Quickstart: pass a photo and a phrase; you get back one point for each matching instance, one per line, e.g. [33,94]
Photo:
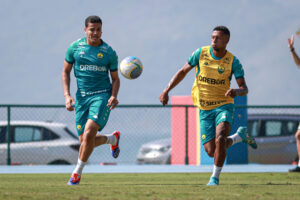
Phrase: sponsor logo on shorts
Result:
[203,137]
[79,127]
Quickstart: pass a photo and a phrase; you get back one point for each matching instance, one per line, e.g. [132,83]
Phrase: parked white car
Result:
[156,152]
[38,143]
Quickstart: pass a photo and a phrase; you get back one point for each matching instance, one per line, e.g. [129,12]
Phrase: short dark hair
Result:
[224,29]
[92,19]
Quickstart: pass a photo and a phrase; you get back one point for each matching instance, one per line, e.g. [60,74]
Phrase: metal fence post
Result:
[8,136]
[186,135]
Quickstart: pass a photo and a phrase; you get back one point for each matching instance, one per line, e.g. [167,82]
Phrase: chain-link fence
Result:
[31,142]
[46,134]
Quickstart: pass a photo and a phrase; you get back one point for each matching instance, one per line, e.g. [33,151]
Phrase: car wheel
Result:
[169,160]
[59,162]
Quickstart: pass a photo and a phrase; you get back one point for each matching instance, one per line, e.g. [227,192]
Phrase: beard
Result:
[216,49]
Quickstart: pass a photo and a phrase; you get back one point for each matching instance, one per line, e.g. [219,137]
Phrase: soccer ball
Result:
[131,67]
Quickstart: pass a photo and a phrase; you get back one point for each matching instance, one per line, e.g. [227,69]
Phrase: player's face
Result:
[93,33]
[219,40]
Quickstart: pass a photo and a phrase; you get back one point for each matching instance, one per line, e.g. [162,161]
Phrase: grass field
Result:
[151,186]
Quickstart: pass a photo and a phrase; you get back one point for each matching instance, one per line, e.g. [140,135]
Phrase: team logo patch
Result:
[203,137]
[99,56]
[79,127]
[221,69]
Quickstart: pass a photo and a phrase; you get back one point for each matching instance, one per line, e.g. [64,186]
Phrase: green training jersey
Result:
[92,66]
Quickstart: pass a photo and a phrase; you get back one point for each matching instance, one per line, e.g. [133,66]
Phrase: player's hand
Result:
[164,98]
[69,101]
[112,102]
[291,42]
[231,92]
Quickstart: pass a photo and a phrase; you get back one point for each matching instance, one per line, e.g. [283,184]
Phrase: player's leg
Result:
[222,131]
[99,112]
[242,136]
[298,143]
[87,140]
[207,130]
[112,139]
[208,135]
[103,139]
[81,108]
[223,121]
[210,148]
[297,135]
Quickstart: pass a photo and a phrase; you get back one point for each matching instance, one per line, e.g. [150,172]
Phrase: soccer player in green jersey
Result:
[297,135]
[214,67]
[93,61]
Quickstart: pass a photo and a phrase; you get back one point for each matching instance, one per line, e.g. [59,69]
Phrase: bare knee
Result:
[89,135]
[88,139]
[221,140]
[210,150]
[210,153]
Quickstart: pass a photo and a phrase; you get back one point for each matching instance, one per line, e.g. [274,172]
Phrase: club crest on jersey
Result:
[99,56]
[79,127]
[221,69]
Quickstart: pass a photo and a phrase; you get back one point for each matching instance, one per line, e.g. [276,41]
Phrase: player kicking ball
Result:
[93,61]
[214,67]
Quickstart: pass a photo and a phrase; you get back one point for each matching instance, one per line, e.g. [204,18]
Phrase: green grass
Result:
[151,186]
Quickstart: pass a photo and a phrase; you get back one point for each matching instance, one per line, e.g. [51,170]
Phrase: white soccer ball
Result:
[131,67]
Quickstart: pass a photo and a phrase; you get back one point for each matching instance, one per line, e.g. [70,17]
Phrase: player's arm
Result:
[177,78]
[241,91]
[294,54]
[67,68]
[113,101]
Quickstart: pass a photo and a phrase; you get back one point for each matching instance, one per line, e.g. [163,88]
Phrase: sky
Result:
[161,33]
